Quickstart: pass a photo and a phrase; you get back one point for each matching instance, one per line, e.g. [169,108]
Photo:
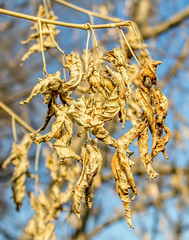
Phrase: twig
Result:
[87,47]
[36,168]
[37,157]
[43,20]
[64,24]
[96,45]
[88,12]
[49,4]
[121,41]
[55,42]
[46,8]
[92,23]
[42,50]
[58,47]
[91,19]
[14,129]
[134,26]
[18,119]
[20,94]
[123,35]
[14,115]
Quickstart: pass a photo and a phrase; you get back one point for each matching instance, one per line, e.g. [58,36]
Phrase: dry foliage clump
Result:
[45,31]
[47,207]
[19,158]
[109,87]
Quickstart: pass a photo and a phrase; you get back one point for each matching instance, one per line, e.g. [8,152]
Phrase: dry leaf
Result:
[122,184]
[74,64]
[45,31]
[92,163]
[19,158]
[47,86]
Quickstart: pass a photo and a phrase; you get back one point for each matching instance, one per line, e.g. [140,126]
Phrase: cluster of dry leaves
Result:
[110,87]
[47,31]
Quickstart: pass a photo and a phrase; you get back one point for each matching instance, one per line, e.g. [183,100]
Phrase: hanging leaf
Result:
[122,184]
[143,150]
[94,79]
[46,34]
[74,64]
[46,86]
[92,163]
[19,158]
[41,226]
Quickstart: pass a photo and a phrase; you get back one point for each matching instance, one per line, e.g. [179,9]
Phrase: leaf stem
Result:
[36,169]
[58,47]
[14,129]
[42,50]
[46,8]
[123,35]
[87,47]
[96,44]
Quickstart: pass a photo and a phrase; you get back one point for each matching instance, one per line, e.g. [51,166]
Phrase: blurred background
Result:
[161,208]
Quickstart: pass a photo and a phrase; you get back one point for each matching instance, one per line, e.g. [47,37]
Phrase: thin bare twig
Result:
[87,47]
[14,129]
[63,24]
[123,35]
[18,119]
[18,95]
[46,8]
[88,12]
[42,50]
[135,28]
[36,168]
[58,47]
[96,45]
[14,115]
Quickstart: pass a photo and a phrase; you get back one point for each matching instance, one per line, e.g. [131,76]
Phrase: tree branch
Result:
[11,113]
[148,31]
[64,24]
